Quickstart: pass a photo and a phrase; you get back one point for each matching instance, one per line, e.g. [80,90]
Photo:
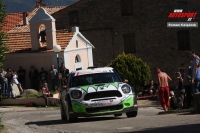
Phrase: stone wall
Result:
[102,24]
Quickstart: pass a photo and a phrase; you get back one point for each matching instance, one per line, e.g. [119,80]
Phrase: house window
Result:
[126,7]
[129,43]
[76,43]
[74,18]
[183,40]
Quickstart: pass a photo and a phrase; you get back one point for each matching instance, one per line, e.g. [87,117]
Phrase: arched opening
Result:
[76,43]
[78,63]
[42,35]
[77,59]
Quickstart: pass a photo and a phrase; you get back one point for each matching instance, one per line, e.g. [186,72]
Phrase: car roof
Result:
[93,70]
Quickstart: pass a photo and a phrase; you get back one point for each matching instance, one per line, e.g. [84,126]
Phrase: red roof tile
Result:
[25,28]
[21,42]
[11,20]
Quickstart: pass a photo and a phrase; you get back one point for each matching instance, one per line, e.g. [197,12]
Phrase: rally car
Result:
[96,91]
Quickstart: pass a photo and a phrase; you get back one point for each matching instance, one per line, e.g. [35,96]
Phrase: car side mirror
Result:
[125,80]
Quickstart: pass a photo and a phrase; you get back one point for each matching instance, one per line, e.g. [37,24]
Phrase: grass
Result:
[1,126]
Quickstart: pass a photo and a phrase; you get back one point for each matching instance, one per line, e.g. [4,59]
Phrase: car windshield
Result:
[95,78]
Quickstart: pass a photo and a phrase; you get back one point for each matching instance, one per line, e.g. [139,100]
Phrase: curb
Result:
[177,111]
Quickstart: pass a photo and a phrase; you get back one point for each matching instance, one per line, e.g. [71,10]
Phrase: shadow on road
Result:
[88,119]
[193,128]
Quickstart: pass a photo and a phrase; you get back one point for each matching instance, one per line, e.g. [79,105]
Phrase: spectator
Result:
[179,87]
[22,76]
[54,77]
[173,101]
[181,66]
[188,86]
[43,77]
[144,89]
[46,93]
[65,73]
[4,82]
[9,76]
[195,72]
[152,88]
[15,81]
[163,87]
[33,75]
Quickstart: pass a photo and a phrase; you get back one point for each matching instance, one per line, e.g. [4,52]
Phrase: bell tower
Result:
[42,18]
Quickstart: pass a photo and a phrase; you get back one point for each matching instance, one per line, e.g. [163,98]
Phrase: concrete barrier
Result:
[24,101]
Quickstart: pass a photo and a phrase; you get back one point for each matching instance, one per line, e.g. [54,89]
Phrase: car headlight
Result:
[126,89]
[76,94]
[133,91]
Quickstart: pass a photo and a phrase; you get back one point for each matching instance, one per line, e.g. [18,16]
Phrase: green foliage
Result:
[3,48]
[1,126]
[131,68]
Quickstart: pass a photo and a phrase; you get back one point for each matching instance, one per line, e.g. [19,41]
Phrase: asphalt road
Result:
[47,120]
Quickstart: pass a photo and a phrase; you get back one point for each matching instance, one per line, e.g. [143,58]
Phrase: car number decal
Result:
[102,103]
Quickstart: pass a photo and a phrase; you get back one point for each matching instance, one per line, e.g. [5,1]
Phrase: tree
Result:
[3,48]
[131,68]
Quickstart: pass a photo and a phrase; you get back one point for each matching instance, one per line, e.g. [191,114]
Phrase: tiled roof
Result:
[21,42]
[11,20]
[25,28]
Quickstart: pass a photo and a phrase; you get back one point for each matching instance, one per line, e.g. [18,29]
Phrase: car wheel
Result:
[65,108]
[68,116]
[131,114]
[62,112]
[62,99]
[116,115]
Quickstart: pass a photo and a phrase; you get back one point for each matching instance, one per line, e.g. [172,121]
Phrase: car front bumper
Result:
[83,114]
[127,105]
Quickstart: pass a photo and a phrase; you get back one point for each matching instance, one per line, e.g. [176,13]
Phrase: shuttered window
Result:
[183,40]
[129,43]
[126,7]
[74,18]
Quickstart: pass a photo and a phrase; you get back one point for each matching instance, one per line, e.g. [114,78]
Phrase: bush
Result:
[131,68]
[1,126]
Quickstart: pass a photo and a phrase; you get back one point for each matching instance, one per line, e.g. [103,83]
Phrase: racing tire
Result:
[62,99]
[131,114]
[65,108]
[117,115]
[68,116]
[63,115]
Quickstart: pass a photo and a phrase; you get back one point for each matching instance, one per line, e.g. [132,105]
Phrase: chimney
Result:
[25,20]
[75,29]
[39,4]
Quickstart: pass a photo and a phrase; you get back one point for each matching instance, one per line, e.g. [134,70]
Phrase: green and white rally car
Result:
[97,91]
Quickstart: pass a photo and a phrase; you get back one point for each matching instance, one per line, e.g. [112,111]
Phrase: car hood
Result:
[99,87]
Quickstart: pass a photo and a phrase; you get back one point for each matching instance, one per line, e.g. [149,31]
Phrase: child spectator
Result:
[46,93]
[152,88]
[15,81]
